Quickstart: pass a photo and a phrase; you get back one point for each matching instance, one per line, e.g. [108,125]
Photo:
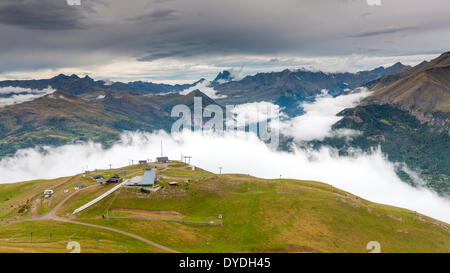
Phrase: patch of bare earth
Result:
[288,249]
[163,214]
[34,207]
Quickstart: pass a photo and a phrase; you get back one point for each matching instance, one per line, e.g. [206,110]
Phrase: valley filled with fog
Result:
[367,174]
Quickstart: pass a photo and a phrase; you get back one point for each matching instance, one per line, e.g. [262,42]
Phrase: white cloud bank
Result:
[257,112]
[17,95]
[204,87]
[370,176]
[320,115]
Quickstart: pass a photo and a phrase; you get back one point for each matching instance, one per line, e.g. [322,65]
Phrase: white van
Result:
[48,193]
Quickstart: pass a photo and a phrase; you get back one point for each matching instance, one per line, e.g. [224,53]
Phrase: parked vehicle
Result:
[114,179]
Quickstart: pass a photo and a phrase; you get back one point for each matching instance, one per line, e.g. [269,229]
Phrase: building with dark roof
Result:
[162,159]
[98,177]
[114,179]
[148,180]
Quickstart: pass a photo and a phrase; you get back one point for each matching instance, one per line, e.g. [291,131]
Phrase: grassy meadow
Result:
[258,215]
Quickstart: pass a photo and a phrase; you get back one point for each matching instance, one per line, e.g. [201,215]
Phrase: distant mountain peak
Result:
[60,77]
[223,77]
[423,88]
[195,92]
[378,69]
[65,77]
[398,65]
[199,81]
[88,78]
[422,63]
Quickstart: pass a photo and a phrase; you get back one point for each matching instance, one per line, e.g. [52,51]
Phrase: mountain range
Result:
[407,114]
[291,88]
[63,117]
[423,91]
[76,85]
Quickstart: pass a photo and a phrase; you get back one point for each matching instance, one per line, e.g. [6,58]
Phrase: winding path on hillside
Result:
[137,237]
[51,215]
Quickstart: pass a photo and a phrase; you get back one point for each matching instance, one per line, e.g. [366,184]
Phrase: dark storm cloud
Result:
[365,14]
[205,32]
[383,31]
[162,13]
[203,42]
[40,14]
[156,15]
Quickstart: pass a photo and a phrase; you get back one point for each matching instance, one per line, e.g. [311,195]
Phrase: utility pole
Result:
[282,183]
[187,160]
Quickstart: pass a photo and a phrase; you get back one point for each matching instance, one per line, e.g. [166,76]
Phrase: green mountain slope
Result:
[62,118]
[408,116]
[403,138]
[424,91]
[258,215]
[54,120]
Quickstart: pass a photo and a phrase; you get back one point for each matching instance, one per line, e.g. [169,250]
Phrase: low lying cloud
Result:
[17,95]
[369,175]
[205,87]
[315,124]
[320,115]
[366,174]
[257,112]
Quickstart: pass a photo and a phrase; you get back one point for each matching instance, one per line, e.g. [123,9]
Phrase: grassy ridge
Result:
[396,131]
[258,216]
[16,196]
[16,238]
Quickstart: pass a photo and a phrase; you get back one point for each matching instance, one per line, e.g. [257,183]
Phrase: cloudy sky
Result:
[183,40]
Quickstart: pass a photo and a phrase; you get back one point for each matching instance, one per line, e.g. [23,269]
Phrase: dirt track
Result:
[51,215]
[142,239]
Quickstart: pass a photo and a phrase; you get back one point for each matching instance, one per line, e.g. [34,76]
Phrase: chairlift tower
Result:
[187,160]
